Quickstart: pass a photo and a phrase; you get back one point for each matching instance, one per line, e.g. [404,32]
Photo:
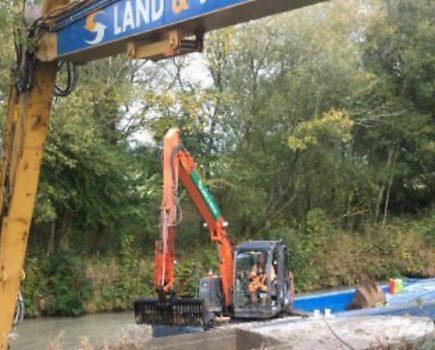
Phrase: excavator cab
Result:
[262,284]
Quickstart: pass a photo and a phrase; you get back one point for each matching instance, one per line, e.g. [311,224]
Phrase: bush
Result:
[322,256]
[66,285]
[55,285]
[33,288]
[117,281]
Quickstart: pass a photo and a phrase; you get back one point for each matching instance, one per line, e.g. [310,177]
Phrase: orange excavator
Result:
[254,281]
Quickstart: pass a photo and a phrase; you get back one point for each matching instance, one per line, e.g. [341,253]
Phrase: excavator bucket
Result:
[174,312]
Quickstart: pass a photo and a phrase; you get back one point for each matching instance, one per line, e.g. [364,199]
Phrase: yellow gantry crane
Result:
[78,32]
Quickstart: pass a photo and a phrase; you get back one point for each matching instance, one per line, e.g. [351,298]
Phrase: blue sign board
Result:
[127,18]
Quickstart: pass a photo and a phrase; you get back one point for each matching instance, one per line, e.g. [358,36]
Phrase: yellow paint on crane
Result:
[24,136]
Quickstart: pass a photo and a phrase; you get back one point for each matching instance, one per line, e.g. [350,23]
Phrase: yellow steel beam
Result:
[171,44]
[23,141]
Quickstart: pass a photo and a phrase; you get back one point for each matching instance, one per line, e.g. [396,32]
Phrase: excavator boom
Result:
[178,164]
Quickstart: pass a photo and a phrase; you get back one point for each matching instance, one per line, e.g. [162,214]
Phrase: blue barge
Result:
[417,299]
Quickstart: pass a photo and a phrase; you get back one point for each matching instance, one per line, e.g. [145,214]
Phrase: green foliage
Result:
[117,282]
[190,268]
[428,228]
[186,275]
[56,285]
[67,287]
[126,286]
[334,125]
[317,223]
[343,258]
[320,255]
[34,287]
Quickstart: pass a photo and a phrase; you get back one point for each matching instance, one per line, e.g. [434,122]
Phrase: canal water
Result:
[39,333]
[95,329]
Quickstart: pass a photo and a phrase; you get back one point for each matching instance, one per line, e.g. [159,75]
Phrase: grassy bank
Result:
[70,284]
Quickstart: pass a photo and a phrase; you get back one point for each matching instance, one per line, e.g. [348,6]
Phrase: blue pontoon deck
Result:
[417,299]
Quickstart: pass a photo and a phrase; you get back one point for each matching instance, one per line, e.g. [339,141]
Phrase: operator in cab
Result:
[258,279]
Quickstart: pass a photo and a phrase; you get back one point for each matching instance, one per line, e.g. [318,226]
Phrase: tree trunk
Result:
[51,246]
[64,232]
[384,184]
[392,159]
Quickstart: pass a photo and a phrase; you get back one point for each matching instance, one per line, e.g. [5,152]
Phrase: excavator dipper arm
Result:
[179,164]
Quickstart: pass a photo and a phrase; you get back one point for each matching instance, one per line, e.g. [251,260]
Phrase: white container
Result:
[316,313]
[327,313]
